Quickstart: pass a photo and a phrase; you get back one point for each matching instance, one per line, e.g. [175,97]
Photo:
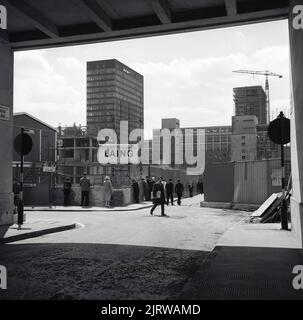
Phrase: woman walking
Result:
[108,191]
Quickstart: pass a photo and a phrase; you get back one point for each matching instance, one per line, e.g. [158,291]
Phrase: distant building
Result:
[38,181]
[78,155]
[170,123]
[114,93]
[251,101]
[217,142]
[244,138]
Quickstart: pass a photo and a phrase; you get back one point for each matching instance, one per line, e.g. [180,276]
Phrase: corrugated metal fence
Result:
[252,183]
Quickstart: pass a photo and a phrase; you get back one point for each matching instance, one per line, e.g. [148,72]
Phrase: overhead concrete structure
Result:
[49,23]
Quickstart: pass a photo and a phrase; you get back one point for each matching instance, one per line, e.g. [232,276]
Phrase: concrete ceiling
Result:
[50,23]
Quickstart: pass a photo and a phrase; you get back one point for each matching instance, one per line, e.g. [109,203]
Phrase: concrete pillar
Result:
[6,134]
[296,52]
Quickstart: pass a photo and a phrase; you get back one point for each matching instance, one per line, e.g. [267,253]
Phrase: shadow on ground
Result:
[3,230]
[96,271]
[246,273]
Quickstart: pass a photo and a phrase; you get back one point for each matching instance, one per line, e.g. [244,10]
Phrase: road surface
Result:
[115,255]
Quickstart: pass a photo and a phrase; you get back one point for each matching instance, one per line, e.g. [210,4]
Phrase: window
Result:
[243,157]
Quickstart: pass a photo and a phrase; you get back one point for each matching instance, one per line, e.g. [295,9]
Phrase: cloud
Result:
[45,92]
[69,63]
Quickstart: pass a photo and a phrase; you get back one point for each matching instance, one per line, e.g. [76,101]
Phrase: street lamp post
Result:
[21,205]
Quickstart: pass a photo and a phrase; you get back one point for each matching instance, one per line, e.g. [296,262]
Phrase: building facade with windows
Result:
[251,101]
[38,181]
[217,142]
[244,138]
[114,93]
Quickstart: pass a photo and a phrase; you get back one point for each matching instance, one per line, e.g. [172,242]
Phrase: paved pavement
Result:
[122,255]
[250,261]
[130,207]
[34,228]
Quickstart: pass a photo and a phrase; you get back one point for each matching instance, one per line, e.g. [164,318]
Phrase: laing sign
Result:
[3,17]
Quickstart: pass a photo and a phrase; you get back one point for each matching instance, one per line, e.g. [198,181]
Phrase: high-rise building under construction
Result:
[251,101]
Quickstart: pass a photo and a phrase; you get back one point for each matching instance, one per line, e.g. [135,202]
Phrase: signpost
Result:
[279,133]
[23,144]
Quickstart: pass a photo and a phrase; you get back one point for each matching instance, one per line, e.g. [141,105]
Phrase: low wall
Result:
[120,197]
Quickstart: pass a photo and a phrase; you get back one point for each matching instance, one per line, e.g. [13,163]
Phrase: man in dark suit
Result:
[170,192]
[179,188]
[158,197]
[151,186]
[135,187]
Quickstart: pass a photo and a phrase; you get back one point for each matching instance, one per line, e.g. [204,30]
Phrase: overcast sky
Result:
[186,76]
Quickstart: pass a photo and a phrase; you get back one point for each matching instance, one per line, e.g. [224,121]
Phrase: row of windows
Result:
[218,139]
[101,108]
[103,77]
[127,80]
[113,82]
[123,96]
[105,101]
[118,87]
[117,109]
[101,69]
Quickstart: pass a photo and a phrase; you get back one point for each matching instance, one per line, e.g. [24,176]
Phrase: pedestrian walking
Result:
[144,189]
[67,187]
[164,186]
[148,191]
[200,186]
[16,192]
[190,189]
[158,197]
[108,191]
[169,192]
[179,188]
[85,188]
[135,187]
[151,186]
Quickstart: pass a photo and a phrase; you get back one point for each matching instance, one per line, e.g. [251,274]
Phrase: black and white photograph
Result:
[151,154]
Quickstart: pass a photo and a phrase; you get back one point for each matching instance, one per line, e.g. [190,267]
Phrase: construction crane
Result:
[266,74]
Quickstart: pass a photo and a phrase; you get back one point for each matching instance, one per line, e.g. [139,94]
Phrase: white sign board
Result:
[59,143]
[118,154]
[4,113]
[51,169]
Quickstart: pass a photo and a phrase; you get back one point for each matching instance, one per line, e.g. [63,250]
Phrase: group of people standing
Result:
[85,185]
[157,190]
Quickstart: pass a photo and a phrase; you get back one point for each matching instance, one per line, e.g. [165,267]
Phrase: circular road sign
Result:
[275,130]
[27,144]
